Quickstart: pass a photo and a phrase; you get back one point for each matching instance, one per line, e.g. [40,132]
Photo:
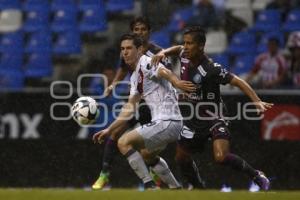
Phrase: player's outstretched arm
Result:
[172,78]
[121,74]
[125,114]
[247,89]
[175,50]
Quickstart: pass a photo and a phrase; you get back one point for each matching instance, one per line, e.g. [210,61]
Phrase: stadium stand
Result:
[10,4]
[292,23]
[13,39]
[243,64]
[267,20]
[58,28]
[39,41]
[36,14]
[67,42]
[93,18]
[39,65]
[162,38]
[216,42]
[242,43]
[10,20]
[119,5]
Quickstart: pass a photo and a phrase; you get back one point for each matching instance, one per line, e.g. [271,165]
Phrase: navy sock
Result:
[190,173]
[108,154]
[237,163]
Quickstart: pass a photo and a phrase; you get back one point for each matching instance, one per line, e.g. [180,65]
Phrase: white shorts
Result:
[158,134]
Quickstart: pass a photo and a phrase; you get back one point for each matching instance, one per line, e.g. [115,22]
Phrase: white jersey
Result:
[159,94]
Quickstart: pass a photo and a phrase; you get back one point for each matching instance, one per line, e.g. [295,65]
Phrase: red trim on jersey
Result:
[260,59]
[280,65]
[140,81]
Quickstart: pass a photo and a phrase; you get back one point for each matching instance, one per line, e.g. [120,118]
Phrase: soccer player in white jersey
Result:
[140,26]
[154,85]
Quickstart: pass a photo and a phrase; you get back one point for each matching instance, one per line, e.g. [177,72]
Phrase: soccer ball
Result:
[85,111]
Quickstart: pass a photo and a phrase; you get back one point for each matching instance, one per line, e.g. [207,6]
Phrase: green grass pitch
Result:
[127,194]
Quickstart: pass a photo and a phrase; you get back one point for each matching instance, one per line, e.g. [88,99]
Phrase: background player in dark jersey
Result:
[205,123]
[141,27]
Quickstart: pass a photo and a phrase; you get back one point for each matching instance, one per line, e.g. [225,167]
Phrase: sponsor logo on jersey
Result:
[197,78]
[223,72]
[222,129]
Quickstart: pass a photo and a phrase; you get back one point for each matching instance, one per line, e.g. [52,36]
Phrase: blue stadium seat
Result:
[11,61]
[34,2]
[179,18]
[58,4]
[222,59]
[267,20]
[12,80]
[262,45]
[93,19]
[65,18]
[119,5]
[36,15]
[9,4]
[39,42]
[39,65]
[12,42]
[242,43]
[292,22]
[67,43]
[91,3]
[243,64]
[162,38]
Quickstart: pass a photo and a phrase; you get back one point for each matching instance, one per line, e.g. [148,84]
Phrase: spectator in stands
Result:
[206,15]
[293,45]
[270,65]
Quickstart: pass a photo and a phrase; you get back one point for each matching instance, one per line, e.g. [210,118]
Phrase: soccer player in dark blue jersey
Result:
[205,122]
[141,27]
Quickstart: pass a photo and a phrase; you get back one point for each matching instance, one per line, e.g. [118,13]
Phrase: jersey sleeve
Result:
[133,85]
[153,70]
[221,75]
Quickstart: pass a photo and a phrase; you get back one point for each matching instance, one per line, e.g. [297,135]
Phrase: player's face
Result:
[129,52]
[192,49]
[141,30]
[273,47]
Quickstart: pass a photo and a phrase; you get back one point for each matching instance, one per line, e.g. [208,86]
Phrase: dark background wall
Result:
[57,158]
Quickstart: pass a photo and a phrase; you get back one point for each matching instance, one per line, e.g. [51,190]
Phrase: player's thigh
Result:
[132,138]
[221,139]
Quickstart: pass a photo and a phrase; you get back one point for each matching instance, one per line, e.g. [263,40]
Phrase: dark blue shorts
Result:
[193,141]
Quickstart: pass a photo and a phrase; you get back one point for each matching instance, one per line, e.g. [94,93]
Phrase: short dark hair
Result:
[142,20]
[137,40]
[197,32]
[275,40]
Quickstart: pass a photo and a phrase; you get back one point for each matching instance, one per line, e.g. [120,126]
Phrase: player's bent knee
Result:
[123,145]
